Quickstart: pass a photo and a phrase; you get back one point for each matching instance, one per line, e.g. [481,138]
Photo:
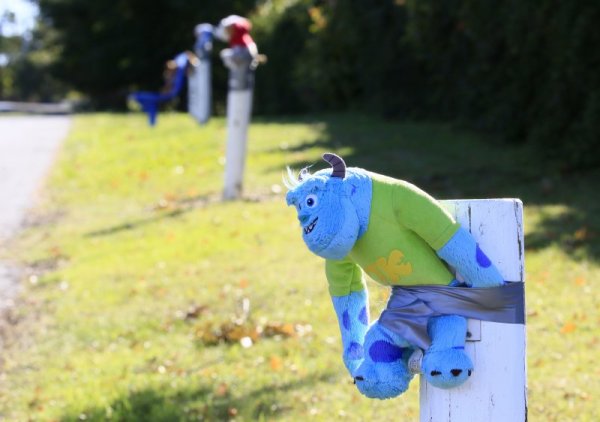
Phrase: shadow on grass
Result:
[434,156]
[455,164]
[134,224]
[206,403]
[178,208]
[576,230]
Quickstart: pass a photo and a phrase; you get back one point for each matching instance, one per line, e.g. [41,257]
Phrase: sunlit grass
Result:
[131,233]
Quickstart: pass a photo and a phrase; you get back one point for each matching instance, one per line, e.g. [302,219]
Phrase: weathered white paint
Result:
[497,390]
[239,107]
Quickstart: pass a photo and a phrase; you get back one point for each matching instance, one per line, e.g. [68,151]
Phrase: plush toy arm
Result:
[351,303]
[353,318]
[464,254]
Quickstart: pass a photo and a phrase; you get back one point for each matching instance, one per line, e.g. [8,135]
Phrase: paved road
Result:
[27,148]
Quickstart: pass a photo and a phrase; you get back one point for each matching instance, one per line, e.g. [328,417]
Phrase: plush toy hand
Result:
[464,254]
[353,317]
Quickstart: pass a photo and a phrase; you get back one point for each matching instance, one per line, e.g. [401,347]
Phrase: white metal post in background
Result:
[497,390]
[239,107]
[241,58]
[199,80]
[241,64]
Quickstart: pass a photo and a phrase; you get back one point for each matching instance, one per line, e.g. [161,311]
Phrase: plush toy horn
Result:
[339,167]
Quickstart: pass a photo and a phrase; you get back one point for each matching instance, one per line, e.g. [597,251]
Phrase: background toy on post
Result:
[199,80]
[241,58]
[174,75]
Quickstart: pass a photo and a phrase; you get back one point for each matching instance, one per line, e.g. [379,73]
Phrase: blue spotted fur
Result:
[353,317]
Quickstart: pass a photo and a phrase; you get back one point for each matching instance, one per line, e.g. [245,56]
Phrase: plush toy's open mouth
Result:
[311,226]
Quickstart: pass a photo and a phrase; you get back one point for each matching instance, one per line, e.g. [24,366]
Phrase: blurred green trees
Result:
[25,69]
[524,71]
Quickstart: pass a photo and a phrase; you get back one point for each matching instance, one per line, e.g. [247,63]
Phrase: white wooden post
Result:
[497,390]
[239,108]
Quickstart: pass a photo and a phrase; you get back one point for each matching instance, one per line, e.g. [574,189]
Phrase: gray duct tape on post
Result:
[410,307]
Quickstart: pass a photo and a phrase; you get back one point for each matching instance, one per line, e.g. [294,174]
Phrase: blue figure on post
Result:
[174,76]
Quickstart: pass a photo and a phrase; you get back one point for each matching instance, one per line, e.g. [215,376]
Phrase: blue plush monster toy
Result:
[362,222]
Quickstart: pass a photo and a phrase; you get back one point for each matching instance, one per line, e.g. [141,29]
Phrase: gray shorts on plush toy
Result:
[362,222]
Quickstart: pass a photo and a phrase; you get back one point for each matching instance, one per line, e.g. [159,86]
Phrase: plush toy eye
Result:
[311,201]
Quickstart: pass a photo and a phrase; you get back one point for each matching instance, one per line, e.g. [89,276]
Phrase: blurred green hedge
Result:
[525,71]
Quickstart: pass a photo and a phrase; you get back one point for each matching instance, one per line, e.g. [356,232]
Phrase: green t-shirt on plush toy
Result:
[398,247]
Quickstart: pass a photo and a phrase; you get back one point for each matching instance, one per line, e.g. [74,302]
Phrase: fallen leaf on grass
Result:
[222,390]
[577,394]
[192,312]
[275,363]
[233,332]
[195,311]
[569,327]
[228,332]
[272,329]
[207,335]
[582,234]
[248,333]
[240,328]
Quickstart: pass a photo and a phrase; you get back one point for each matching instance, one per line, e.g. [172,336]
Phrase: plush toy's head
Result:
[328,217]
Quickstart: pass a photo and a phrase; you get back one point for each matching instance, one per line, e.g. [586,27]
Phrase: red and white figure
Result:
[242,51]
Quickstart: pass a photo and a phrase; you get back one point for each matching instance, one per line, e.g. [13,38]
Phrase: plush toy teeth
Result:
[311,226]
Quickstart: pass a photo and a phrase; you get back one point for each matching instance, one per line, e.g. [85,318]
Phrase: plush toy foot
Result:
[384,373]
[447,368]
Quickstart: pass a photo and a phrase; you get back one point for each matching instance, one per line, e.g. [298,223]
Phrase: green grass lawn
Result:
[137,274]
